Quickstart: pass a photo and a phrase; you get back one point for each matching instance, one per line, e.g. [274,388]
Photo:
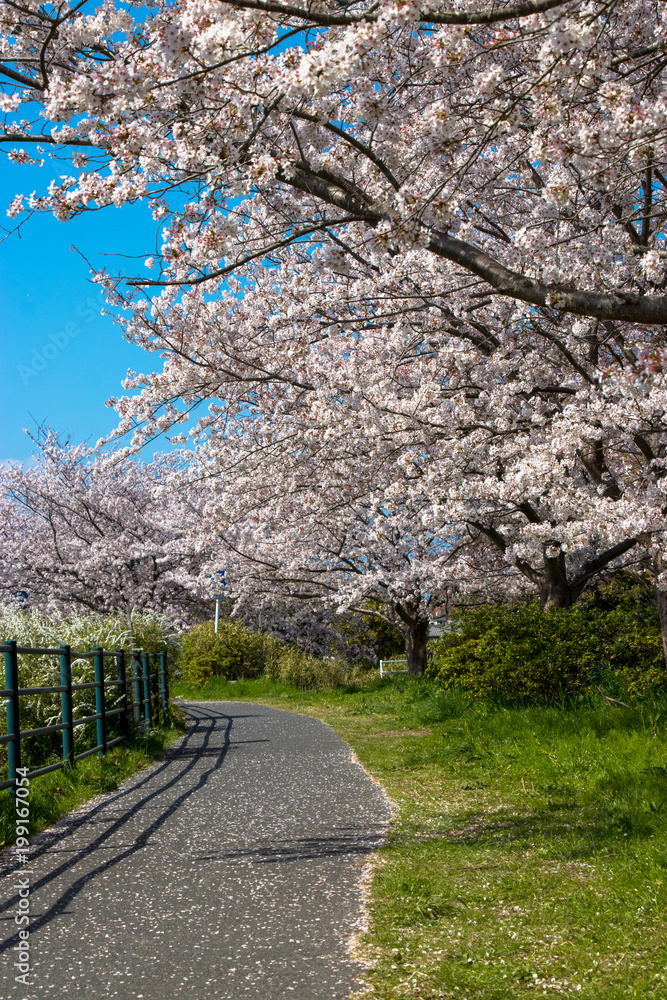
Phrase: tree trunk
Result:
[555,592]
[659,567]
[662,610]
[415,647]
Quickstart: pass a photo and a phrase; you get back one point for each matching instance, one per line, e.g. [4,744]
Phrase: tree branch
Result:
[594,566]
[47,140]
[618,305]
[25,81]
[263,252]
[360,146]
[526,9]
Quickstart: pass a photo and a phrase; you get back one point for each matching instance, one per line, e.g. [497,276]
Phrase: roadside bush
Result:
[233,652]
[237,652]
[292,666]
[527,653]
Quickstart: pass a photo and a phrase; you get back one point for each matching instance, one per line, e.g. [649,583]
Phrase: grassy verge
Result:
[529,853]
[54,795]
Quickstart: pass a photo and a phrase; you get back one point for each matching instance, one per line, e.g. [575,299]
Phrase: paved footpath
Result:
[228,871]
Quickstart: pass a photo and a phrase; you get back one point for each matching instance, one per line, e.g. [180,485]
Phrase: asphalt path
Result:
[230,870]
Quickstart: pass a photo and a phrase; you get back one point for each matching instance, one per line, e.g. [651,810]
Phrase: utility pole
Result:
[218,597]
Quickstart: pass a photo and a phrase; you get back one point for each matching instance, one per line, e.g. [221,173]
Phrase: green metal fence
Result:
[149,699]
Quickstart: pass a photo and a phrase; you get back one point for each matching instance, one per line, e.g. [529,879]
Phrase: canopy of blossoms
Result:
[417,247]
[522,146]
[83,533]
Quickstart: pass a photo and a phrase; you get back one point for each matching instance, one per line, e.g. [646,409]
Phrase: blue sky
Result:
[61,359]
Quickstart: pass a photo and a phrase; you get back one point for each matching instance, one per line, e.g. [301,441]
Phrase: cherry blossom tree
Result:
[312,530]
[426,228]
[81,532]
[527,437]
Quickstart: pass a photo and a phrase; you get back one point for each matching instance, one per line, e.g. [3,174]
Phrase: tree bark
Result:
[415,647]
[555,591]
[662,610]
[659,567]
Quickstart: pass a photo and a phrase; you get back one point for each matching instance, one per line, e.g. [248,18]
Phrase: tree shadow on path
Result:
[204,727]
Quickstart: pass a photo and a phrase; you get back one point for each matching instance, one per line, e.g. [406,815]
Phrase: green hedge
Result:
[237,652]
[527,653]
[293,666]
[233,652]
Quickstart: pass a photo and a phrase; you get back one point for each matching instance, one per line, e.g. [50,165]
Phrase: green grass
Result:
[528,856]
[54,795]
[253,689]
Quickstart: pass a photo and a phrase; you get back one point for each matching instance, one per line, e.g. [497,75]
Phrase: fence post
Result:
[100,707]
[155,686]
[151,688]
[136,668]
[164,682]
[67,708]
[12,706]
[147,689]
[122,692]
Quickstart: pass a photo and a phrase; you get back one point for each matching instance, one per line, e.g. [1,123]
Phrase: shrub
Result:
[292,666]
[233,652]
[527,653]
[236,652]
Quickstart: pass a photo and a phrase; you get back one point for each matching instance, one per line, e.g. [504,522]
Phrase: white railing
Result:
[384,671]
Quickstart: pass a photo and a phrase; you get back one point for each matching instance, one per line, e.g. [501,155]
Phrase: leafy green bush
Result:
[292,666]
[527,653]
[233,652]
[236,652]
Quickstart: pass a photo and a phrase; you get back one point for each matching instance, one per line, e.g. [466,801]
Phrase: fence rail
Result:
[149,699]
[384,671]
